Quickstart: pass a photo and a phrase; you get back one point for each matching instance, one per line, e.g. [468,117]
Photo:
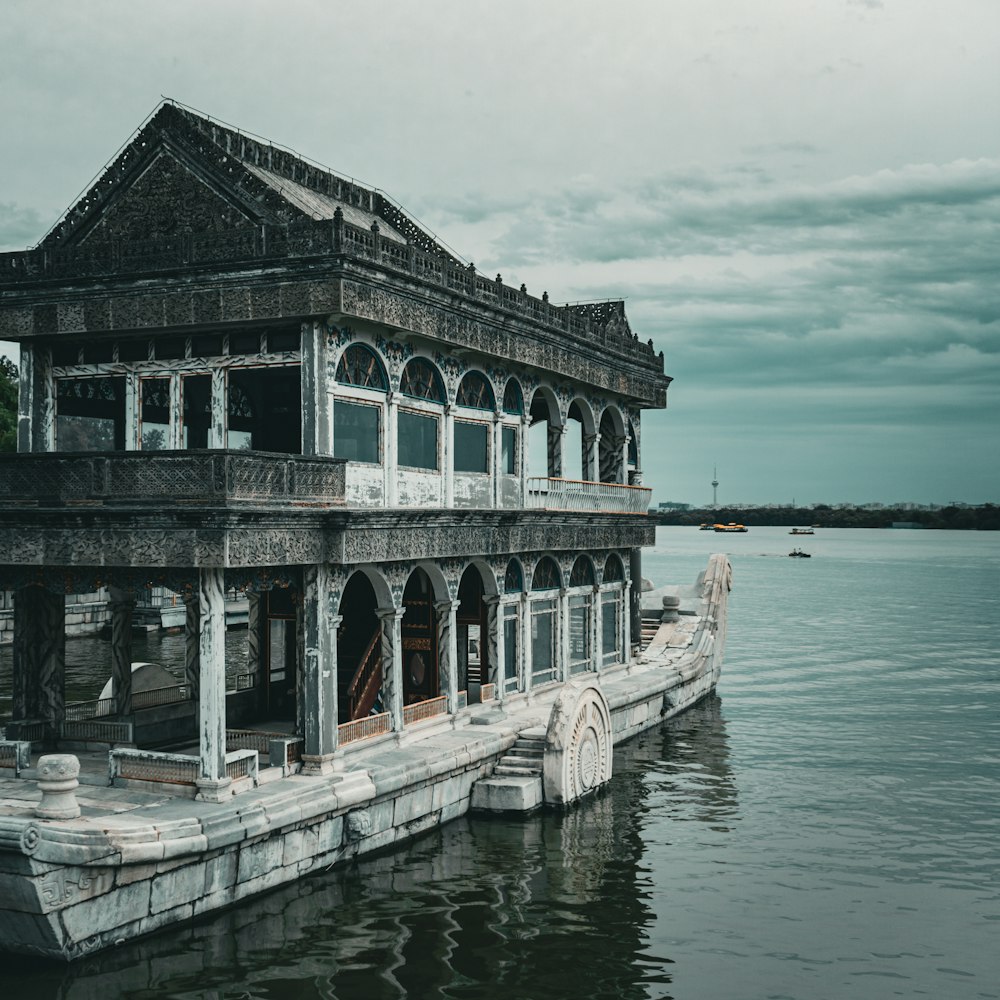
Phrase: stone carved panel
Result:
[166,200]
[578,744]
[66,886]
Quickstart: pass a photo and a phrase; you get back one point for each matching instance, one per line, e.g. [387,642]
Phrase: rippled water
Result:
[827,827]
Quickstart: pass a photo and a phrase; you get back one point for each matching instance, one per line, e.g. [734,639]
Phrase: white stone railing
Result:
[96,731]
[545,493]
[153,697]
[488,692]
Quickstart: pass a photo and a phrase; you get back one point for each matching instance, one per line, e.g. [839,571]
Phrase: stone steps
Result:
[516,782]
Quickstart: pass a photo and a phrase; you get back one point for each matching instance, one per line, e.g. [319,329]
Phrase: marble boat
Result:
[242,376]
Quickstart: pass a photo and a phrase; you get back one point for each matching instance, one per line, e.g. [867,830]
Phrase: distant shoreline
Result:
[984,518]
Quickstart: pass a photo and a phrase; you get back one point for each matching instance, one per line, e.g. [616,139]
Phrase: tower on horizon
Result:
[715,486]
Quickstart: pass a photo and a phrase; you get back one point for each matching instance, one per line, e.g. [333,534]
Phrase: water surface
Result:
[827,826]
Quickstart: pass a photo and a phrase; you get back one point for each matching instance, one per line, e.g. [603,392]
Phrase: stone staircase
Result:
[516,782]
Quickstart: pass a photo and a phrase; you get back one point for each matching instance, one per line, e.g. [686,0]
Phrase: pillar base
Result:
[318,765]
[214,789]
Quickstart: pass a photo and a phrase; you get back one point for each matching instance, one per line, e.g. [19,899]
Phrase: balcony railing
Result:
[593,498]
[170,475]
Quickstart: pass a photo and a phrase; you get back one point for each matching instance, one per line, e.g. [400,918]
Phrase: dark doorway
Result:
[280,653]
[420,659]
[473,665]
[359,652]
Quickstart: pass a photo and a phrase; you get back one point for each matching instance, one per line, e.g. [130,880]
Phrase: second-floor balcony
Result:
[210,476]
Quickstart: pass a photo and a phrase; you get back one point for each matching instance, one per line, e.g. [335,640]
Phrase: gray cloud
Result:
[19,227]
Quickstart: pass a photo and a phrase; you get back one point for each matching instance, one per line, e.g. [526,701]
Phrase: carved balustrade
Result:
[170,475]
[587,497]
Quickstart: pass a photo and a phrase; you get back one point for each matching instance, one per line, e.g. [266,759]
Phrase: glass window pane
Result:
[196,391]
[579,634]
[610,627]
[509,451]
[90,414]
[154,396]
[510,649]
[417,440]
[355,432]
[471,447]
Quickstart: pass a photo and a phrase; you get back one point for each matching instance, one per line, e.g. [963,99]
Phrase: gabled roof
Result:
[183,173]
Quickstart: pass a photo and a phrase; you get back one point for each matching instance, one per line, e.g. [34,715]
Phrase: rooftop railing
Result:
[587,497]
[170,475]
[601,325]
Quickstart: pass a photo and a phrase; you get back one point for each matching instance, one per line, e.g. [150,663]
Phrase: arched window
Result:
[513,579]
[582,574]
[546,575]
[476,392]
[513,398]
[360,366]
[421,380]
[613,571]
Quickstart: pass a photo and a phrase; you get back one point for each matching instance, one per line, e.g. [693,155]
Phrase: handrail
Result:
[424,709]
[363,689]
[364,728]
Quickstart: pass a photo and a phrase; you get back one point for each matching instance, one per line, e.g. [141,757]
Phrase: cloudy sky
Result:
[799,199]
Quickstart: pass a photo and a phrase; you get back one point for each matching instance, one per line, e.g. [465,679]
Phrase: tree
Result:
[8,405]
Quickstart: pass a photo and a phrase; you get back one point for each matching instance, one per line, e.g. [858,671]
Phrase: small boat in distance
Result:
[799,554]
[802,531]
[706,527]
[732,526]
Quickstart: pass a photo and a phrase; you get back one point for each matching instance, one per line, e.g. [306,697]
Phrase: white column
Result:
[448,456]
[627,625]
[175,420]
[390,622]
[213,781]
[591,457]
[319,671]
[497,643]
[131,411]
[390,458]
[36,400]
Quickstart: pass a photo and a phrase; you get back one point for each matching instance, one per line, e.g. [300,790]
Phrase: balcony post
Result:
[562,624]
[495,645]
[448,457]
[217,426]
[192,647]
[35,409]
[522,458]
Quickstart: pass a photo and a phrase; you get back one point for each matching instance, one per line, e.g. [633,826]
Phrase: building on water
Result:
[243,374]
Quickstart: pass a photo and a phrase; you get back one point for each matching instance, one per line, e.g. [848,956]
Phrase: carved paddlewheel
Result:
[578,744]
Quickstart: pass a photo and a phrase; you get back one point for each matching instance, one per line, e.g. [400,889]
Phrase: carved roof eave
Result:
[333,285]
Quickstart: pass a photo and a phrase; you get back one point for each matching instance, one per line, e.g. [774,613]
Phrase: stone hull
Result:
[72,888]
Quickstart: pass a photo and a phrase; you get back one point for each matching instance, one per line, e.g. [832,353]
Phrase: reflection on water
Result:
[554,905]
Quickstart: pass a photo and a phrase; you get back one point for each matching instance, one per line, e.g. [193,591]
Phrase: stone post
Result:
[175,418]
[121,606]
[496,466]
[319,672]
[445,613]
[562,636]
[131,411]
[39,656]
[526,650]
[390,622]
[596,654]
[213,781]
[57,781]
[556,437]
